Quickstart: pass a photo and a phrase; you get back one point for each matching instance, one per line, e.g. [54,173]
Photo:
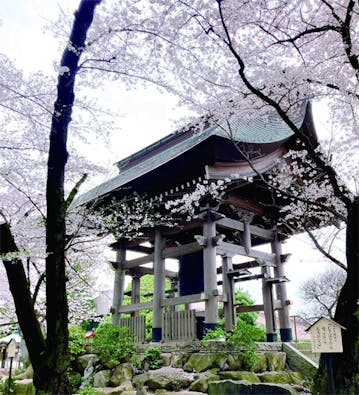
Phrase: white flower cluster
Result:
[309,192]
[189,202]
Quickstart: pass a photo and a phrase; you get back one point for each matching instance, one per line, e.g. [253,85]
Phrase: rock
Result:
[169,379]
[122,373]
[201,381]
[116,391]
[140,380]
[156,382]
[275,361]
[23,387]
[296,377]
[261,363]
[270,389]
[83,361]
[184,392]
[28,374]
[234,362]
[179,359]
[226,387]
[119,390]
[241,375]
[201,362]
[275,377]
[101,378]
[281,377]
[166,359]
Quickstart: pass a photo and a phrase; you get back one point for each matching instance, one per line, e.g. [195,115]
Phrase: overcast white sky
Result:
[147,115]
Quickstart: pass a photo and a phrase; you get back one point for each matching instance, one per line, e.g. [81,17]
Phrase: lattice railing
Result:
[137,325]
[179,325]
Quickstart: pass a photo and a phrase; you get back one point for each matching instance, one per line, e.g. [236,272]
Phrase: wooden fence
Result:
[179,325]
[137,325]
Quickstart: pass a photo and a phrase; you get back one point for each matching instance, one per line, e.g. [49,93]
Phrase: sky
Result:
[145,115]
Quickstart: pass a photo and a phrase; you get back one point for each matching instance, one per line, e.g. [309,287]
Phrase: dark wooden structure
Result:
[246,218]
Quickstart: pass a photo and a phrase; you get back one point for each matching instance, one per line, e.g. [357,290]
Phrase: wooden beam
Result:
[141,249]
[135,307]
[238,225]
[141,271]
[238,272]
[247,278]
[184,299]
[247,309]
[244,265]
[277,280]
[232,249]
[256,307]
[137,262]
[175,252]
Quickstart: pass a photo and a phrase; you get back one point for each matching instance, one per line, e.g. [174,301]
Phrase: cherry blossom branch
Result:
[283,114]
[323,251]
[27,196]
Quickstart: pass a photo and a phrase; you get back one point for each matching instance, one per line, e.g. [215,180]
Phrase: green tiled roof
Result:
[253,131]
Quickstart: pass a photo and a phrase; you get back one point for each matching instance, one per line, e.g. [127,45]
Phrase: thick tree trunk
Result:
[346,364]
[57,307]
[25,312]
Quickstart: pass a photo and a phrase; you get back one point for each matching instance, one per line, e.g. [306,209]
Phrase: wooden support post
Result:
[210,272]
[228,294]
[174,287]
[247,237]
[119,285]
[135,293]
[158,288]
[268,305]
[281,292]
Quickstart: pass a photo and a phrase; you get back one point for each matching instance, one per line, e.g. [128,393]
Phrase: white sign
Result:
[11,349]
[326,336]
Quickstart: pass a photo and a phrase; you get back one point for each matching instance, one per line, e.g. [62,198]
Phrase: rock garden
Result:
[114,364]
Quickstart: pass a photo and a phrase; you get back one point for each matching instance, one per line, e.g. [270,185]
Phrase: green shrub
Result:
[153,357]
[75,379]
[214,334]
[243,298]
[76,342]
[89,391]
[246,336]
[113,344]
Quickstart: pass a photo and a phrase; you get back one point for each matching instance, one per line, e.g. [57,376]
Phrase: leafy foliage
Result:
[113,344]
[76,342]
[153,357]
[243,298]
[89,391]
[214,334]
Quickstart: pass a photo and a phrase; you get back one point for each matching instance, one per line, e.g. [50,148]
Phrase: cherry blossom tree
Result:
[228,59]
[225,60]
[320,294]
[49,356]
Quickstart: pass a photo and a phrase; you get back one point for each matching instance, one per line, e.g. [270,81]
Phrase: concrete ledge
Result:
[299,362]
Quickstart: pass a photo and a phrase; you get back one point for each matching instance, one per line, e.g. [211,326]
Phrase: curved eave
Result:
[252,131]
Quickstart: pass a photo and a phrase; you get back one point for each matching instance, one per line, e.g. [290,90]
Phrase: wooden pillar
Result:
[158,288]
[228,294]
[268,305]
[118,286]
[210,272]
[174,287]
[281,292]
[135,293]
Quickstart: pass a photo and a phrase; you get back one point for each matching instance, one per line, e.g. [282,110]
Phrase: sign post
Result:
[326,338]
[11,352]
